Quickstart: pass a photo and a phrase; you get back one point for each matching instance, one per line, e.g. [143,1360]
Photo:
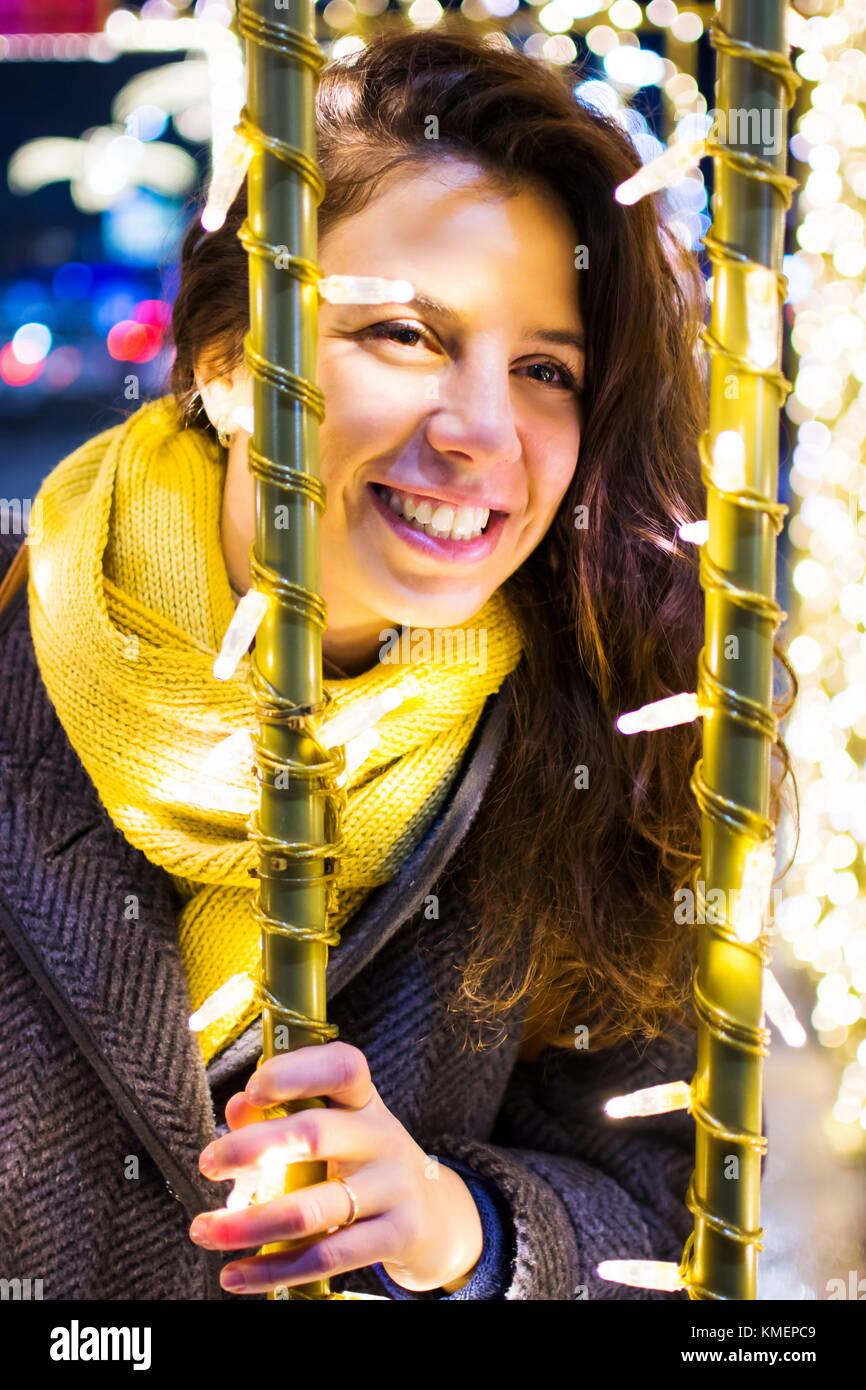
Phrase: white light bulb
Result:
[663,172]
[755,884]
[226,181]
[244,1191]
[244,416]
[698,532]
[240,633]
[237,992]
[780,1011]
[365,289]
[729,461]
[763,316]
[650,1100]
[661,714]
[643,1274]
[348,724]
[234,751]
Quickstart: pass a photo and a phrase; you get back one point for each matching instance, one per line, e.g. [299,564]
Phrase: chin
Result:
[433,611]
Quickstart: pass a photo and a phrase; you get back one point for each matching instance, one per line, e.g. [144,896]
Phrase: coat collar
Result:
[95,922]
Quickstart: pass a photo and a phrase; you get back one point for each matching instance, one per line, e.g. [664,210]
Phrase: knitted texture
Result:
[129,601]
[107,1103]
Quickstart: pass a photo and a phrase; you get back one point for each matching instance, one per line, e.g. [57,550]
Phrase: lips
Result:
[451,499]
[453,551]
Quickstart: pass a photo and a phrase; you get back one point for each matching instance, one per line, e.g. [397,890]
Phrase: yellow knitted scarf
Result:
[129,602]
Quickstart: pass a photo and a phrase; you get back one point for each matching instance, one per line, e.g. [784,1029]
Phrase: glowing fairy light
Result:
[234,751]
[243,1190]
[753,898]
[665,171]
[650,1100]
[661,714]
[244,416]
[235,995]
[356,754]
[780,1011]
[729,461]
[348,724]
[40,570]
[240,633]
[364,289]
[698,532]
[355,729]
[763,316]
[643,1274]
[226,182]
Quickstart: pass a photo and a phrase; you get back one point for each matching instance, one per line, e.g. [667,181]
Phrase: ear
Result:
[223,397]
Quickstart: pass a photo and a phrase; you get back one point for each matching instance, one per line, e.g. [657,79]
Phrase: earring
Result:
[223,434]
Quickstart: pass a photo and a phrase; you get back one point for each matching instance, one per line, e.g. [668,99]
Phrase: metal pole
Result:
[298,813]
[756,85]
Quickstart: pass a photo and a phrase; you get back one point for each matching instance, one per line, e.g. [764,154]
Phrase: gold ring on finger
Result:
[352,1198]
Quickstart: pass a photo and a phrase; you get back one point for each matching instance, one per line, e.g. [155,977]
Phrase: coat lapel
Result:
[95,923]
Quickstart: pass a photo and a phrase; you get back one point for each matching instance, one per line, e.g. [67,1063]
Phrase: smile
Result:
[436,527]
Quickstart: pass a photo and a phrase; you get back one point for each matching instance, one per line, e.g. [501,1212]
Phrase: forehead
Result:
[457,234]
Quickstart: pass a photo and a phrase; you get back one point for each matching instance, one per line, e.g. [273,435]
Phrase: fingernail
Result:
[207,1162]
[232,1279]
[199,1231]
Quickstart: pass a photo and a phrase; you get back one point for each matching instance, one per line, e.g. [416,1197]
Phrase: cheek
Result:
[368,413]
[555,463]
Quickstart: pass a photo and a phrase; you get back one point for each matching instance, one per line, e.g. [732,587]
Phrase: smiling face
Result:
[467,401]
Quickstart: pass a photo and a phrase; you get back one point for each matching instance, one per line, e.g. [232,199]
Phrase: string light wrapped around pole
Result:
[733,985]
[731,781]
[296,826]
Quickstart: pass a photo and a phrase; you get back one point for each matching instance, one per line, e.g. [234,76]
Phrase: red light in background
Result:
[53,16]
[16,373]
[155,312]
[129,341]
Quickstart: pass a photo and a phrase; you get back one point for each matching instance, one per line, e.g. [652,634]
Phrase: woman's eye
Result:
[396,332]
[567,380]
[390,331]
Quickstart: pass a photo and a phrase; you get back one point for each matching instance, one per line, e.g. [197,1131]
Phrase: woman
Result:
[509,955]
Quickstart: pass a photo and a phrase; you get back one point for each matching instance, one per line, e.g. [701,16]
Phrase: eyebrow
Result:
[562,336]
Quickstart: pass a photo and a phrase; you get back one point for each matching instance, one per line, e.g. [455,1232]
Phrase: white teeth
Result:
[443,520]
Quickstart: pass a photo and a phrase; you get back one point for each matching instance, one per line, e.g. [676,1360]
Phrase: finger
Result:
[365,1243]
[239,1112]
[336,1070]
[305,1137]
[309,1212]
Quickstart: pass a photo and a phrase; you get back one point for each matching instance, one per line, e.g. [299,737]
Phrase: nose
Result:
[472,422]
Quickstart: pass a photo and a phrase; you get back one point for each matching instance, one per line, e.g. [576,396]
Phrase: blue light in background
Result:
[146,122]
[74,280]
[26,300]
[115,301]
[140,228]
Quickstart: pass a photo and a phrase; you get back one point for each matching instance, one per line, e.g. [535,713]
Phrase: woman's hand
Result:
[415,1216]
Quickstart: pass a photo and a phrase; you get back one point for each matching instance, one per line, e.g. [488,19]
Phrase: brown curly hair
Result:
[571,890]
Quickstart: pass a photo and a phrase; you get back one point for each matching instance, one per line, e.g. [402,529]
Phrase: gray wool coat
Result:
[105,1103]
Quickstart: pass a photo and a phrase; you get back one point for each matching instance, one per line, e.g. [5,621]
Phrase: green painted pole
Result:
[756,86]
[298,812]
